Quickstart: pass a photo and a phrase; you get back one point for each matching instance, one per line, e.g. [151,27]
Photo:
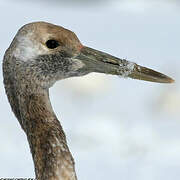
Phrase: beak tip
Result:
[171,80]
[143,73]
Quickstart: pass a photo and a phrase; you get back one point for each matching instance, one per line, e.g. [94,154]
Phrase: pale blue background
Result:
[116,128]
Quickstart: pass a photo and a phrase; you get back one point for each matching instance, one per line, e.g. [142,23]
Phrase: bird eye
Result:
[52,44]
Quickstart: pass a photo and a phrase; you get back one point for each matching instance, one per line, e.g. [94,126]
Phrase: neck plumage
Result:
[51,155]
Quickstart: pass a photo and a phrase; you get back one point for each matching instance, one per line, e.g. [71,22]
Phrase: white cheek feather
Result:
[27,49]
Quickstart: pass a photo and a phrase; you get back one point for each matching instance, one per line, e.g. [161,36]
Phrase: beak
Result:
[97,61]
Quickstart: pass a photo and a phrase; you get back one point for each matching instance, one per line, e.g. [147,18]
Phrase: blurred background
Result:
[116,128]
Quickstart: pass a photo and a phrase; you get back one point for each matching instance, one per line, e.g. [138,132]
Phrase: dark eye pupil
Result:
[51,44]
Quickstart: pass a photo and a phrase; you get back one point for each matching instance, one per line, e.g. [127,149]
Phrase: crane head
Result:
[47,53]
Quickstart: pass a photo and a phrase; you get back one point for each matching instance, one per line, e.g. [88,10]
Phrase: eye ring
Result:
[52,44]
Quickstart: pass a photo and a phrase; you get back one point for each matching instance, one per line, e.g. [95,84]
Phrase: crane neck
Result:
[47,140]
[51,155]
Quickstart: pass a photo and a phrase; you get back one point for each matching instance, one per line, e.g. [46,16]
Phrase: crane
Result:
[39,55]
